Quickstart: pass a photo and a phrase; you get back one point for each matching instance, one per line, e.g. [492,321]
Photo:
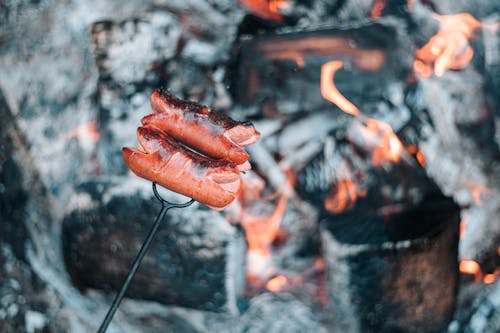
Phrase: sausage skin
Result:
[211,133]
[167,162]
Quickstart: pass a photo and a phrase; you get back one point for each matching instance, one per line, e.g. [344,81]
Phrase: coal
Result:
[197,259]
[280,69]
[405,284]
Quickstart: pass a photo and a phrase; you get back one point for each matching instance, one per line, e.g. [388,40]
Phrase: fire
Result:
[330,92]
[344,195]
[419,155]
[449,48]
[266,9]
[377,8]
[470,267]
[261,230]
[88,130]
[477,191]
[489,278]
[386,146]
[298,50]
[276,283]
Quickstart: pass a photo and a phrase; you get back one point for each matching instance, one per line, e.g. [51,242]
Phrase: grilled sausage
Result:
[211,133]
[169,163]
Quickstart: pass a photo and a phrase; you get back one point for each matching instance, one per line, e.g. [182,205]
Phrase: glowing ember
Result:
[344,195]
[266,9]
[261,230]
[477,191]
[298,50]
[330,92]
[419,155]
[277,283]
[470,267]
[449,48]
[489,278]
[89,130]
[388,148]
[377,8]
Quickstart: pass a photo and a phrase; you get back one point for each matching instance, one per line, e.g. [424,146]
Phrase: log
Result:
[286,68]
[196,261]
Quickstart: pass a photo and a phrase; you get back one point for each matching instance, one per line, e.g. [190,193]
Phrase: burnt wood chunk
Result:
[286,68]
[408,284]
[196,259]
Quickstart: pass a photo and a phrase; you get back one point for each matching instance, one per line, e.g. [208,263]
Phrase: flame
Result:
[88,130]
[262,230]
[489,278]
[330,92]
[377,8]
[276,283]
[266,9]
[449,48]
[470,267]
[388,148]
[419,155]
[344,195]
[385,144]
[477,191]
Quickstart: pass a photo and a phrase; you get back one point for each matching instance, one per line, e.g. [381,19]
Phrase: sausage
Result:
[211,133]
[167,162]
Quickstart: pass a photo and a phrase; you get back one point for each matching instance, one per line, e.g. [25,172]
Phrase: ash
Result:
[75,79]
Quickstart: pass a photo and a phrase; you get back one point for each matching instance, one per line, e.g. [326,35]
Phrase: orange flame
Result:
[419,155]
[386,145]
[471,267]
[90,130]
[261,230]
[489,278]
[330,92]
[276,283]
[449,48]
[266,9]
[377,8]
[344,195]
[477,191]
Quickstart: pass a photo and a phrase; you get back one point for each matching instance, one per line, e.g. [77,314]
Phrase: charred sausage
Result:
[211,133]
[169,163]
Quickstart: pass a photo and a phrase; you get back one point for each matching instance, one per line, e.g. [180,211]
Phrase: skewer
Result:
[165,207]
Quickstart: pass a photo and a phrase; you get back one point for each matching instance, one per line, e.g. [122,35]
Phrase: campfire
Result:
[370,203]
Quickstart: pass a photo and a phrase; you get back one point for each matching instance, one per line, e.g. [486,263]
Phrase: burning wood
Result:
[285,68]
[266,9]
[449,48]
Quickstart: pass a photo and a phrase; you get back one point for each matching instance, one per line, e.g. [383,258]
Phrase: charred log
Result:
[197,259]
[286,68]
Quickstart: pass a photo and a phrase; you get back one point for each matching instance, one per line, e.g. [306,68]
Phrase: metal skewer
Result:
[165,207]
